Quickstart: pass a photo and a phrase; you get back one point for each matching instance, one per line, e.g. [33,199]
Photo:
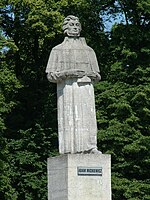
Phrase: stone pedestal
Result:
[79,177]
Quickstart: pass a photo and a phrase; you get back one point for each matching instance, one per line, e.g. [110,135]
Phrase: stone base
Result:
[79,177]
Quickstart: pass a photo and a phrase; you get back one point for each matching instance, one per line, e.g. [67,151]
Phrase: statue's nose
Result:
[75,27]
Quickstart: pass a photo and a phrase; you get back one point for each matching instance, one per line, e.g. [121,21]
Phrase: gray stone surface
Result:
[64,183]
[73,66]
[73,58]
[77,126]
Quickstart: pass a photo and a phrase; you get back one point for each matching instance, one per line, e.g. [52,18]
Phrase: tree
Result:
[9,86]
[123,102]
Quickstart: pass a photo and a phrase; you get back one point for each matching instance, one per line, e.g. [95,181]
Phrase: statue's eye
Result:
[71,24]
[77,24]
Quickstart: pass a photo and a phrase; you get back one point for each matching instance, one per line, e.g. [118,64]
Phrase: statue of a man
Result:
[73,66]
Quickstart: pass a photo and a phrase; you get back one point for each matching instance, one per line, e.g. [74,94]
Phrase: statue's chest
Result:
[74,56]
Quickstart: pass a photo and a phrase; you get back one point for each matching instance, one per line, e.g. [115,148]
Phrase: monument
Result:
[81,172]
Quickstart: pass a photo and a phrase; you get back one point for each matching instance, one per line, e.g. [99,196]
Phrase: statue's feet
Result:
[91,151]
[95,151]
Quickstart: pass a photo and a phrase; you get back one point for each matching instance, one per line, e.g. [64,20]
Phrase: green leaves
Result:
[27,160]
[133,190]
[123,104]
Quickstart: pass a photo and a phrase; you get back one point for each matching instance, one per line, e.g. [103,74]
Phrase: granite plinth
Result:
[79,177]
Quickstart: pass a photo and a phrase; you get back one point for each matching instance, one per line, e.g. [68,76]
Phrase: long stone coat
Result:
[73,66]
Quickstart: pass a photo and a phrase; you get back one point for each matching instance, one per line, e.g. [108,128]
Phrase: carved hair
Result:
[66,21]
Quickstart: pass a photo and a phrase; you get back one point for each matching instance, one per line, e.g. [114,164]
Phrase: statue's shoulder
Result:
[82,39]
[58,47]
[68,44]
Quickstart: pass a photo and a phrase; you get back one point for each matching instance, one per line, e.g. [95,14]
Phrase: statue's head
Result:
[71,26]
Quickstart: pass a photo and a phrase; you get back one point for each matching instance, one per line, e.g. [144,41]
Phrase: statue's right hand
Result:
[52,77]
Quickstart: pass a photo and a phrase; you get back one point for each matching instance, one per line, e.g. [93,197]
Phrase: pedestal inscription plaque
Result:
[89,171]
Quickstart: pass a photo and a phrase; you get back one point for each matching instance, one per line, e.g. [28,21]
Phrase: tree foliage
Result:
[9,86]
[123,102]
[28,111]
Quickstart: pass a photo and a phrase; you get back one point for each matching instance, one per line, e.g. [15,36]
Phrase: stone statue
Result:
[73,66]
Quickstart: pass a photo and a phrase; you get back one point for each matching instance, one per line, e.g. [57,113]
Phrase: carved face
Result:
[73,28]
